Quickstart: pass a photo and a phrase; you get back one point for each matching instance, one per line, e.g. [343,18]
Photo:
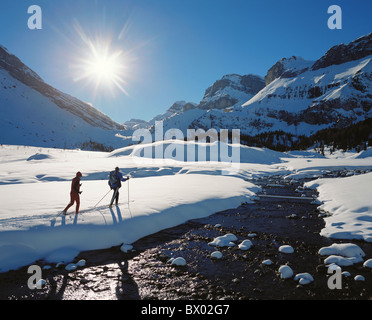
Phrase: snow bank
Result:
[314,167]
[349,201]
[35,185]
[180,151]
[157,203]
[365,154]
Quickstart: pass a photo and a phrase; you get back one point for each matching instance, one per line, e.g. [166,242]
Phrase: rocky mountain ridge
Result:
[229,91]
[287,68]
[299,97]
[355,50]
[28,77]
[36,114]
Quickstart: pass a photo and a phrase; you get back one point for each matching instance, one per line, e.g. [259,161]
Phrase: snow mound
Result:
[245,245]
[178,262]
[81,263]
[40,284]
[71,267]
[39,156]
[224,241]
[348,250]
[286,249]
[216,255]
[359,278]
[304,278]
[126,248]
[346,274]
[368,263]
[340,261]
[74,266]
[365,154]
[252,235]
[286,272]
[267,262]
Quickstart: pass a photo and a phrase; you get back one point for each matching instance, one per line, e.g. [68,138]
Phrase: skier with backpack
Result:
[114,182]
[75,193]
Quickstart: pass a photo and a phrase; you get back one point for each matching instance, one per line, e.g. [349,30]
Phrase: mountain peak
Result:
[287,68]
[342,53]
[16,67]
[177,106]
[230,90]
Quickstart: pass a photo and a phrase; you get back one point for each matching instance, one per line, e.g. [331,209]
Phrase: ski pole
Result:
[128,191]
[102,198]
[128,199]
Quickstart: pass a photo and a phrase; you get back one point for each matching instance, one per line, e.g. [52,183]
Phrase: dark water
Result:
[145,274]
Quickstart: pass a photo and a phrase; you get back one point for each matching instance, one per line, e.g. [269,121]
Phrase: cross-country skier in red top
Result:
[75,193]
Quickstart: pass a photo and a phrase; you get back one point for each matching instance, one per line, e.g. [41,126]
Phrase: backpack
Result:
[112,179]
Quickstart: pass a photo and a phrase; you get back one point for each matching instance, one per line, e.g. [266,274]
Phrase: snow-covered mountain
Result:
[34,113]
[296,97]
[230,91]
[136,123]
[302,97]
[287,68]
[179,108]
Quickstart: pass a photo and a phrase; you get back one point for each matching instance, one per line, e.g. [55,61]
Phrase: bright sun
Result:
[104,67]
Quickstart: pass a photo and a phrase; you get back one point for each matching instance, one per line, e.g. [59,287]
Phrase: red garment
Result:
[75,185]
[74,194]
[74,197]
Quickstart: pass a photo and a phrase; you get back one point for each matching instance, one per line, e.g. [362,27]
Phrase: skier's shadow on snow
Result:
[119,218]
[63,221]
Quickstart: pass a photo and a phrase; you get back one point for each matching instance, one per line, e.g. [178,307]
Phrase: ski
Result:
[69,214]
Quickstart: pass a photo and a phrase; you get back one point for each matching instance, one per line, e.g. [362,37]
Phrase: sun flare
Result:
[103,66]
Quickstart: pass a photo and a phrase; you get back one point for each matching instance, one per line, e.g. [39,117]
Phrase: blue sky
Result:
[173,49]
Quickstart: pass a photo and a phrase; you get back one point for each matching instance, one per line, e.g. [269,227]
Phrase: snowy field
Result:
[35,185]
[349,200]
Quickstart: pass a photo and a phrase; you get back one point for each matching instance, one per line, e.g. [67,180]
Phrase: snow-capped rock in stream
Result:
[349,250]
